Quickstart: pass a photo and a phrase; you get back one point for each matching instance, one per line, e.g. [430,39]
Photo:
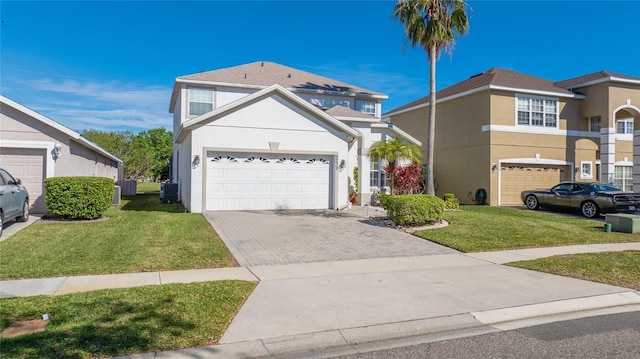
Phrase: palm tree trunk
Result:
[432,119]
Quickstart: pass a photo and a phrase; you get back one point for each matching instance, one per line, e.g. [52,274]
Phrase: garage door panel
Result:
[266,182]
[29,166]
[516,178]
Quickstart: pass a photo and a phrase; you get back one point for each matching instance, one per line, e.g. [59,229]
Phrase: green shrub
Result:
[412,209]
[78,197]
[450,201]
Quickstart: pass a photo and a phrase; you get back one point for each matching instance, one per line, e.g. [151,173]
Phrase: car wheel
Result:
[25,212]
[590,209]
[1,223]
[532,202]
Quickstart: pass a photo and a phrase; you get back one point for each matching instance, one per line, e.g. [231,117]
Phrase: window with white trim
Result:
[200,101]
[368,107]
[536,111]
[377,174]
[623,177]
[595,123]
[624,126]
[586,170]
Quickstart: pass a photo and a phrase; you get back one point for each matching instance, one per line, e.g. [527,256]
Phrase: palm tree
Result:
[393,150]
[433,25]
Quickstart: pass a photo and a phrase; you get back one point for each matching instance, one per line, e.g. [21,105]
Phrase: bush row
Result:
[412,209]
[78,197]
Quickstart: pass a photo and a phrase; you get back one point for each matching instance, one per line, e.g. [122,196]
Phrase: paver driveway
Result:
[304,236]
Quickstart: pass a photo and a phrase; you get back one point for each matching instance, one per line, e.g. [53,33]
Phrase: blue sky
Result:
[111,65]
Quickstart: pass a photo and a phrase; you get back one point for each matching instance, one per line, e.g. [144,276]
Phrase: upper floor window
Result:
[200,101]
[594,123]
[625,126]
[368,107]
[536,111]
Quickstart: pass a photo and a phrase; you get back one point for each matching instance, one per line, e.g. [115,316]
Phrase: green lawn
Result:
[112,322]
[484,228]
[616,268]
[142,235]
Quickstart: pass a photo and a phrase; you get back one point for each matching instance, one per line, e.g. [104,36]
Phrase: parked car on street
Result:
[14,199]
[590,198]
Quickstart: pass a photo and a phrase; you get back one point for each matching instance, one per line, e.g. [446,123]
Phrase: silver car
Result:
[590,198]
[14,199]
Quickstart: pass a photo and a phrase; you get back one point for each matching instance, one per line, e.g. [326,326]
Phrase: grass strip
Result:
[142,235]
[114,322]
[484,228]
[616,268]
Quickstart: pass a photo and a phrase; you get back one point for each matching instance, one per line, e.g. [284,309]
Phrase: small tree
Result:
[393,150]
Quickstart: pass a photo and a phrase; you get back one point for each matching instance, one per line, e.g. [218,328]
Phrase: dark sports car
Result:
[590,198]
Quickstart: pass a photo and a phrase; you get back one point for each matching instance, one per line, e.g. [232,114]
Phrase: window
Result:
[623,177]
[624,126]
[538,112]
[200,101]
[586,170]
[368,107]
[594,123]
[378,176]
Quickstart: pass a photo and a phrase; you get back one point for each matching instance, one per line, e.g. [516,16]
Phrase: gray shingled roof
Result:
[264,73]
[341,111]
[493,77]
[576,81]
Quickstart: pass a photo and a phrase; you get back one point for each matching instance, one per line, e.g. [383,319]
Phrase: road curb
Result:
[393,335]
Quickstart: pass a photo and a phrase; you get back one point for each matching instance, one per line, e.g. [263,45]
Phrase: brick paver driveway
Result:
[304,236]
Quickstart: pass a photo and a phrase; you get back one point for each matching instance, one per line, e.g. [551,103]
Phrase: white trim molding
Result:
[39,145]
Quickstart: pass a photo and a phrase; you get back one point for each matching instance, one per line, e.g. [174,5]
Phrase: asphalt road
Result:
[608,336]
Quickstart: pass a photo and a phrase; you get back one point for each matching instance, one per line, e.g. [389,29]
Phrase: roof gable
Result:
[263,74]
[268,92]
[596,77]
[494,78]
[53,124]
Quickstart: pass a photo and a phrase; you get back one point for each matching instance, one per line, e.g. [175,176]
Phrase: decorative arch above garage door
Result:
[237,181]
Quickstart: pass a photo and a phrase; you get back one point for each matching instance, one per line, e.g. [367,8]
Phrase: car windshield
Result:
[604,188]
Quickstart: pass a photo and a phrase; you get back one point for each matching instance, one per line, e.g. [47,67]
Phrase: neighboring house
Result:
[504,132]
[268,136]
[34,147]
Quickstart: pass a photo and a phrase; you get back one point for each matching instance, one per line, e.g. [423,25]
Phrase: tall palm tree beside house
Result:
[433,25]
[393,150]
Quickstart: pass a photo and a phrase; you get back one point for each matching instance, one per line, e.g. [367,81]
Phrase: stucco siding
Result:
[271,125]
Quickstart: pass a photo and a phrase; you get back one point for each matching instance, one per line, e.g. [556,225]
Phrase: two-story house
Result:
[268,136]
[504,132]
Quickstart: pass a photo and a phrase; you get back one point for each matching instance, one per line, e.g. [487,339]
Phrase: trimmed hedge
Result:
[413,209]
[450,201]
[78,197]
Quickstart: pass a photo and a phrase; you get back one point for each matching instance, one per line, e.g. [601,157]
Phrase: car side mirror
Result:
[17,182]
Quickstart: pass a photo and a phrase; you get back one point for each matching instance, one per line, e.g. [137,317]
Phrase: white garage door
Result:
[27,165]
[516,178]
[264,181]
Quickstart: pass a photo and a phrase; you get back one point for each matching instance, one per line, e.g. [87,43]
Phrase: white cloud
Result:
[89,104]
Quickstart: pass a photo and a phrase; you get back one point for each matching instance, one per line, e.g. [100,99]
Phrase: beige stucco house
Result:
[34,147]
[504,132]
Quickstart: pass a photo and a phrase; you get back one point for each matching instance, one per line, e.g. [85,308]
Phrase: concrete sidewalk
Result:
[74,284]
[329,308]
